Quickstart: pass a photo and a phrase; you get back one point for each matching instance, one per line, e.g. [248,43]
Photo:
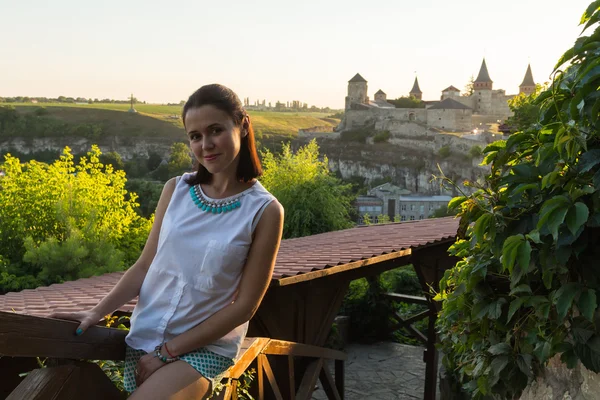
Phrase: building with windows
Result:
[398,204]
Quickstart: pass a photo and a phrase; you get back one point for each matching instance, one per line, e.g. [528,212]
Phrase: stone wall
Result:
[450,120]
[560,383]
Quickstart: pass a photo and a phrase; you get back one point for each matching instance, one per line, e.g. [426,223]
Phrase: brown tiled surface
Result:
[296,256]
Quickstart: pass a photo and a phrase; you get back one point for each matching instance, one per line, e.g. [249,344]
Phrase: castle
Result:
[453,112]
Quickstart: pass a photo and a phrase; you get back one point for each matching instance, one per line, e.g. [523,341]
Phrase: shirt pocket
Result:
[221,266]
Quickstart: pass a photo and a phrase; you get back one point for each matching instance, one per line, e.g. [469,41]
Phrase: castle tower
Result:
[380,96]
[357,91]
[528,84]
[482,91]
[416,91]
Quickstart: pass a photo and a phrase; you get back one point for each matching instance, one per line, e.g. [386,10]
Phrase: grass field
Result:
[265,123]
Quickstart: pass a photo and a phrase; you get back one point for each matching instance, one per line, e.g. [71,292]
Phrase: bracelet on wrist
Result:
[168,352]
[162,358]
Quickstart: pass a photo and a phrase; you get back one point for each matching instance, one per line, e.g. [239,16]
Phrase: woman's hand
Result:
[146,366]
[85,319]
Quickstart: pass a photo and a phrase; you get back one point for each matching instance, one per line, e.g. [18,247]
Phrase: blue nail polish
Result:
[79,331]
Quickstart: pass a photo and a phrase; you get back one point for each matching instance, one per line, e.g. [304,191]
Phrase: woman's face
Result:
[214,139]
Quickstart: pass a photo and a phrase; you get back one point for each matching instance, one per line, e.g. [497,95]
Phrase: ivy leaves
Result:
[526,288]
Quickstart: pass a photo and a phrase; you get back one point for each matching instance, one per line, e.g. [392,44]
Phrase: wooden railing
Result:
[66,376]
[260,349]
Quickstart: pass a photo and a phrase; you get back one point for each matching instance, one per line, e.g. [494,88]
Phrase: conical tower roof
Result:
[484,75]
[357,78]
[415,88]
[528,80]
[380,92]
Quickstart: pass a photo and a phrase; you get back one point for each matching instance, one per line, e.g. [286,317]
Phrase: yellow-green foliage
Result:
[314,200]
[65,221]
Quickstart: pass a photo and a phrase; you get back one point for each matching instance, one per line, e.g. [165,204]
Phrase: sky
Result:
[161,51]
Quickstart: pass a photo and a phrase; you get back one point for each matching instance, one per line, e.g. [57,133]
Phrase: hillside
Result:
[112,120]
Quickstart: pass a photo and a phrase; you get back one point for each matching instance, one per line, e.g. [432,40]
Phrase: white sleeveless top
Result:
[196,270]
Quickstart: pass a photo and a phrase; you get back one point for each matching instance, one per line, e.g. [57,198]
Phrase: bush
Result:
[475,151]
[525,288]
[382,137]
[371,313]
[66,221]
[444,151]
[356,135]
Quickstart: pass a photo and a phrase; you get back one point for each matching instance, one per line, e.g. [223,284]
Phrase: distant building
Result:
[391,200]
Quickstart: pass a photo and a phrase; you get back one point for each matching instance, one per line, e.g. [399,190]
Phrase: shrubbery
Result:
[65,221]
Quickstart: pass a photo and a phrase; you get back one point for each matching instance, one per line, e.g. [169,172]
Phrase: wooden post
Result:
[339,377]
[431,360]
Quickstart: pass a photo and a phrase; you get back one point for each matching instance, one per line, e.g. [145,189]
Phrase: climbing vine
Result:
[527,284]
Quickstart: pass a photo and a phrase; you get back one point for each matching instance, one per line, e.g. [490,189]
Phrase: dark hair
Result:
[226,100]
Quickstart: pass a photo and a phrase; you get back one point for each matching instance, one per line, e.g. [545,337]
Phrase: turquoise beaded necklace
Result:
[215,207]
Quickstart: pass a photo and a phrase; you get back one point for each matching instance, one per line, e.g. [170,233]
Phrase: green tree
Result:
[179,159]
[469,87]
[407,102]
[526,287]
[526,112]
[114,159]
[313,199]
[65,220]
[8,115]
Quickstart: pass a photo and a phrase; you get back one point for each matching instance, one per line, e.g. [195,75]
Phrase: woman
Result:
[207,262]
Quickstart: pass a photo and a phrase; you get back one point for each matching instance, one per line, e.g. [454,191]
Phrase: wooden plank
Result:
[246,359]
[340,268]
[270,376]
[340,377]
[405,298]
[282,347]
[333,307]
[329,384]
[79,380]
[259,372]
[234,385]
[292,378]
[307,386]
[27,336]
[412,330]
[417,317]
[229,389]
[10,369]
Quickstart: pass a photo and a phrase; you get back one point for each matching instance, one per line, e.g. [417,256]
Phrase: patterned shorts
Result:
[211,365]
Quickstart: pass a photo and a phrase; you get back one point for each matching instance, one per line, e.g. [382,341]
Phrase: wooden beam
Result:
[270,376]
[329,384]
[417,317]
[282,347]
[28,336]
[79,380]
[340,377]
[260,373]
[292,378]
[307,386]
[405,298]
[333,308]
[339,268]
[244,361]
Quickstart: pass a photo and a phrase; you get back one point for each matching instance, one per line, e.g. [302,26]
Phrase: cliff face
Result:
[128,148]
[410,165]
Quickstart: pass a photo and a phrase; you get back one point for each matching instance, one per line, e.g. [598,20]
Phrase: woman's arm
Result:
[253,286]
[129,285]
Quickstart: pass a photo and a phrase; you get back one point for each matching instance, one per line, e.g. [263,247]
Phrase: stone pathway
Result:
[382,371]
